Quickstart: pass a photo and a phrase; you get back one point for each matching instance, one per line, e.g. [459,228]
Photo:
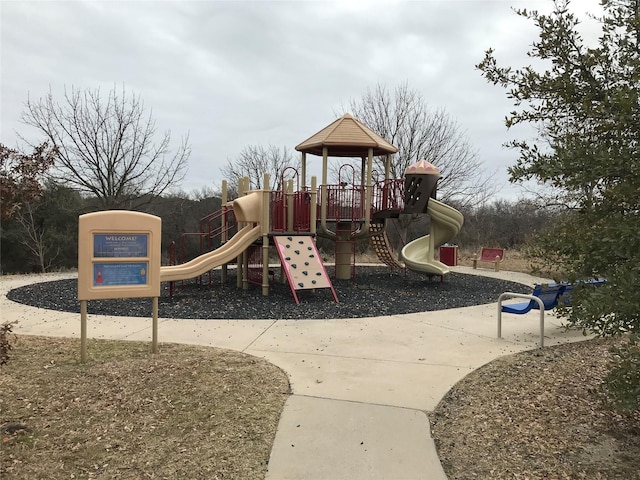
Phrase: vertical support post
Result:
[154,325]
[323,189]
[541,325]
[343,253]
[387,167]
[368,192]
[245,270]
[223,227]
[290,205]
[303,170]
[264,227]
[83,331]
[314,206]
[243,186]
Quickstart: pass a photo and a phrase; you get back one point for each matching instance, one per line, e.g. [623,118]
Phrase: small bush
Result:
[5,341]
[622,383]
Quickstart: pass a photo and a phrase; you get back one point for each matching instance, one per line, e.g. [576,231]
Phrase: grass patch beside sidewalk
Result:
[186,412]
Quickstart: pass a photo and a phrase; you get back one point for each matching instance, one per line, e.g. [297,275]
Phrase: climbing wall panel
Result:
[302,264]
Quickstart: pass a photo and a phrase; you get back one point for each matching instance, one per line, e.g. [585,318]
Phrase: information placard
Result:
[121,273]
[119,245]
[118,255]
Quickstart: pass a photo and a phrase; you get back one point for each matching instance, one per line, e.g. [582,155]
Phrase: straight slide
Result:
[202,264]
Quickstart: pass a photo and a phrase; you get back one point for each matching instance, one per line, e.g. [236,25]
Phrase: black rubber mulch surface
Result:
[376,291]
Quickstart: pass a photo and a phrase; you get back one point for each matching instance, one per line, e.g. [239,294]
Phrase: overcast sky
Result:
[239,73]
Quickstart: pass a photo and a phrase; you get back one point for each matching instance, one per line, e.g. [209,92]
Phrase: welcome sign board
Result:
[118,255]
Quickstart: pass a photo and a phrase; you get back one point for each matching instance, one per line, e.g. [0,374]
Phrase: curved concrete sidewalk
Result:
[362,388]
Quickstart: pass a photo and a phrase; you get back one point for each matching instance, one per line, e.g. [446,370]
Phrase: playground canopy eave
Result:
[346,137]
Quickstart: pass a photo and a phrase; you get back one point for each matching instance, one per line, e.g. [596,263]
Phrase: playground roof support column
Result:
[303,170]
[368,192]
[323,189]
[387,167]
[265,227]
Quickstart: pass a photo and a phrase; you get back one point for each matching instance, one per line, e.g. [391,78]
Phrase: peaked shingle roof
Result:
[422,167]
[346,137]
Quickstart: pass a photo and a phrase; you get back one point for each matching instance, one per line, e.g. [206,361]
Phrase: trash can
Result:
[449,255]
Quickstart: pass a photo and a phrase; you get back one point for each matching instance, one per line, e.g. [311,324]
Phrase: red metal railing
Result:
[296,206]
[388,195]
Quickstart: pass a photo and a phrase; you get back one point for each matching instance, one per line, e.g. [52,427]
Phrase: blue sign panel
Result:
[111,274]
[120,245]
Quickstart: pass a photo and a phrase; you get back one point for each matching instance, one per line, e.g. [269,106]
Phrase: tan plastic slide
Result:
[246,209]
[446,222]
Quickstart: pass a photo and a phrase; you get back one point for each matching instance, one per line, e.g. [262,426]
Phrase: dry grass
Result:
[187,412]
[514,261]
[537,415]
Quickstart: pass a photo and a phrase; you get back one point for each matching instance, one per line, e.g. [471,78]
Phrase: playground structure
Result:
[346,212]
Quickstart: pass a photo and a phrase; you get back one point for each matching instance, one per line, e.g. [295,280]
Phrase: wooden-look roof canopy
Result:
[346,137]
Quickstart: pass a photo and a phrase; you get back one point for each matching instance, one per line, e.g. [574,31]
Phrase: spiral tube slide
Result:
[446,222]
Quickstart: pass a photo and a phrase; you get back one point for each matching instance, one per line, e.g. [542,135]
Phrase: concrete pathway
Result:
[362,388]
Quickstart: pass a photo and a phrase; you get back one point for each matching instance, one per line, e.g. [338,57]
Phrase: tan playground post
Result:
[314,205]
[323,190]
[303,169]
[368,191]
[264,224]
[224,234]
[289,196]
[118,257]
[243,186]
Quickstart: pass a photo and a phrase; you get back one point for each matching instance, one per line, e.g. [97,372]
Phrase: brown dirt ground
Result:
[537,415]
[186,412]
[540,414]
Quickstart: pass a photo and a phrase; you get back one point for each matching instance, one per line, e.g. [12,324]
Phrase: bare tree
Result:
[254,161]
[35,238]
[404,119]
[106,146]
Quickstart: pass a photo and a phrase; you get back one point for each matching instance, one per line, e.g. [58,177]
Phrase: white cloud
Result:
[264,72]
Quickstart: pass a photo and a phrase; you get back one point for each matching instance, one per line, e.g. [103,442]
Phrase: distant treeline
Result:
[44,237]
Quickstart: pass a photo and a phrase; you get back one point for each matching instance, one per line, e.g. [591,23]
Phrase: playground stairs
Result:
[382,246]
[215,229]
